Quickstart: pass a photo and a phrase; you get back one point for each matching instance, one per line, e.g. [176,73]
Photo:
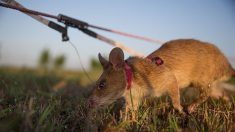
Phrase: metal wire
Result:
[80,60]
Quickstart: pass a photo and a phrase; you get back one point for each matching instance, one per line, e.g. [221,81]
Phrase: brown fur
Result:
[187,62]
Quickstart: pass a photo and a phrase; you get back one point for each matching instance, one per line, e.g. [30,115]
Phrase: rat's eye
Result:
[101,85]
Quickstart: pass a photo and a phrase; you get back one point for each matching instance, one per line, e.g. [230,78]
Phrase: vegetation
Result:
[46,61]
[30,102]
[95,64]
[59,62]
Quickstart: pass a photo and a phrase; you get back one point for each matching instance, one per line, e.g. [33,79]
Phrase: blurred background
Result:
[23,40]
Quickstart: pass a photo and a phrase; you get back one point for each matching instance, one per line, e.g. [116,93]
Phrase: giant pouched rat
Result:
[175,65]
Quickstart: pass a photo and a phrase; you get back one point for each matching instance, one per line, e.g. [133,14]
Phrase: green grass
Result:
[29,103]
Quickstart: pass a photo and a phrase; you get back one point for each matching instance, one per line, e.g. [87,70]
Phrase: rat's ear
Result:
[103,61]
[116,58]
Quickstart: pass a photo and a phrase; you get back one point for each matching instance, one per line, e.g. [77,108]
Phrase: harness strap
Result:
[128,72]
[156,60]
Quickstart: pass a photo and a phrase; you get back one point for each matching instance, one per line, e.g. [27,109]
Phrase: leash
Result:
[75,23]
[15,5]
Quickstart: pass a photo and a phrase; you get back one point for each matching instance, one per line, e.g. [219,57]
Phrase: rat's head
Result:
[112,82]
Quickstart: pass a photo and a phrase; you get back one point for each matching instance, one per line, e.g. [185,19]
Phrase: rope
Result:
[128,34]
[120,45]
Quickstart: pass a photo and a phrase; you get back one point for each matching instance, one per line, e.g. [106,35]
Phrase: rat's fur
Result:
[187,62]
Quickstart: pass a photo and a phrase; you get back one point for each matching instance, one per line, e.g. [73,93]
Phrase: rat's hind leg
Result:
[222,90]
[218,92]
[205,92]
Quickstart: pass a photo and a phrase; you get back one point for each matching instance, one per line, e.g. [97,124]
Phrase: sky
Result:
[22,38]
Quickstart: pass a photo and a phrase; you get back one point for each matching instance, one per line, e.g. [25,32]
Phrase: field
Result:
[33,101]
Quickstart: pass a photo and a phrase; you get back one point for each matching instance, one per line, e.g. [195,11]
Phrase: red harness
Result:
[156,60]
[128,72]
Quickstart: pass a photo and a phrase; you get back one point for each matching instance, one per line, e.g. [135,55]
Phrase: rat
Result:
[177,64]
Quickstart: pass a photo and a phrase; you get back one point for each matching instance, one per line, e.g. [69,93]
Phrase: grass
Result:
[28,102]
